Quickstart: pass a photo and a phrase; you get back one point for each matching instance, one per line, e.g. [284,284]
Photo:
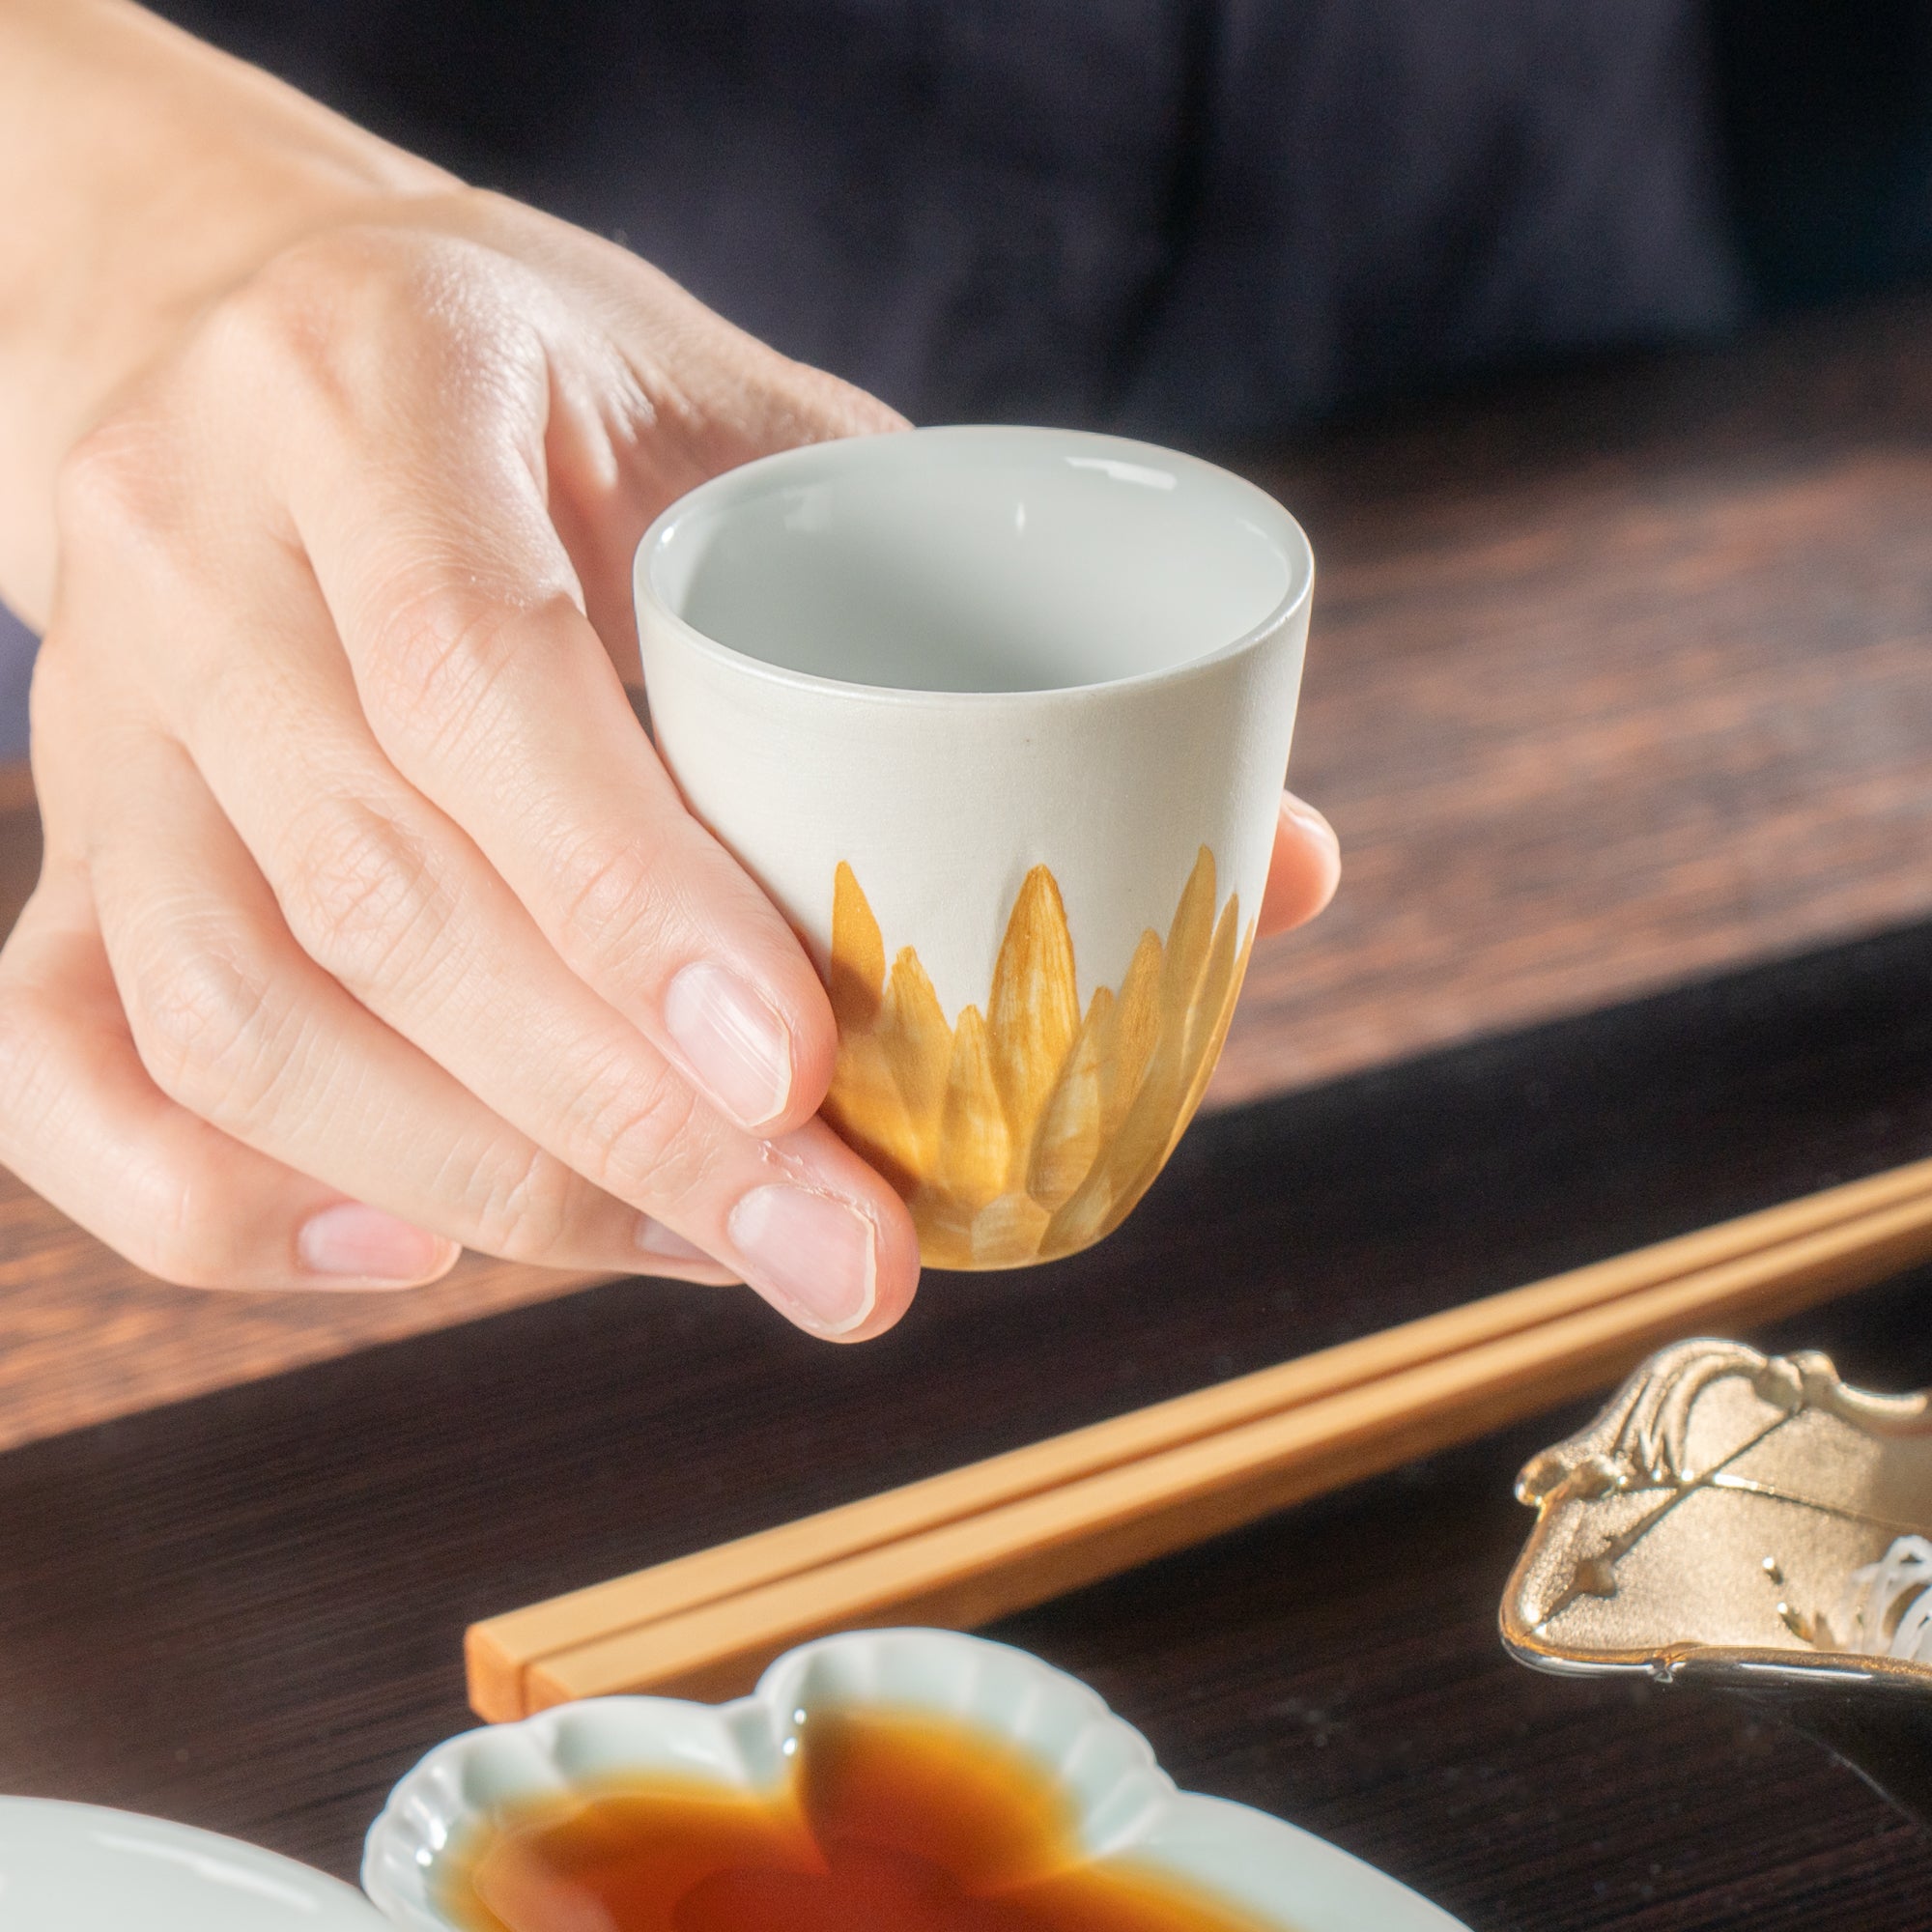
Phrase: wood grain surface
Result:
[999,1536]
[247,1610]
[1616,678]
[1625,678]
[83,1336]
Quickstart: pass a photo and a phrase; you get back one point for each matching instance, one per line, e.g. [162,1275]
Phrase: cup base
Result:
[1029,1132]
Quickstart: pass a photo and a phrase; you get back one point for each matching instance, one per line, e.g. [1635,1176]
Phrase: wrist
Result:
[154,174]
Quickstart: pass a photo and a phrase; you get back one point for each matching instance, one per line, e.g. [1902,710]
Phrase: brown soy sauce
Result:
[888,1823]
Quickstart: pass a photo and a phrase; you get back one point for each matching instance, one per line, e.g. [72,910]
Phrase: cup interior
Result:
[977,561]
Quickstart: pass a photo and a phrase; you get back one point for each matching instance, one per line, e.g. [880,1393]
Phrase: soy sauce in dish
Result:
[888,1822]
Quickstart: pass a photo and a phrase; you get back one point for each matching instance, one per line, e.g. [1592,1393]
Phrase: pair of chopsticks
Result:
[994,1537]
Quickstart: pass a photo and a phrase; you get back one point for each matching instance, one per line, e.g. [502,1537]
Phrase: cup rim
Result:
[757,475]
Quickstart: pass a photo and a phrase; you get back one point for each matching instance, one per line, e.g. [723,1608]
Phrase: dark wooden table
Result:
[244,1608]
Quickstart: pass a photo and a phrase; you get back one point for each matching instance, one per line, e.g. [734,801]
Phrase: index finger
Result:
[435,547]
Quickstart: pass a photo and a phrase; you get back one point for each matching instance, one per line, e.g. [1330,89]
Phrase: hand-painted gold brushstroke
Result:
[1029,1131]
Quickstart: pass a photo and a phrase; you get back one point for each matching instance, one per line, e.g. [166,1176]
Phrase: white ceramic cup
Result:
[999,717]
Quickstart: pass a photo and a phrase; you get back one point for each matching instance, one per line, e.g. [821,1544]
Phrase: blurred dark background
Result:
[1208,221]
[1204,220]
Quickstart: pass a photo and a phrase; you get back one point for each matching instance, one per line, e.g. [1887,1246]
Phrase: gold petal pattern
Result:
[1029,1132]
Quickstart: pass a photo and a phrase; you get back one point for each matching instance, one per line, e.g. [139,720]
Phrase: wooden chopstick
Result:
[985,1540]
[986,1566]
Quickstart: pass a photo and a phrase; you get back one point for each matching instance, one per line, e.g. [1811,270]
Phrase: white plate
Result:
[1126,1804]
[78,1868]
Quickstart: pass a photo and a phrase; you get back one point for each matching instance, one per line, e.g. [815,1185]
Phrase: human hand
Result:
[370,925]
[1304,871]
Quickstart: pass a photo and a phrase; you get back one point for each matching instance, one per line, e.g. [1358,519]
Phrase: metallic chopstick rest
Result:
[1747,1524]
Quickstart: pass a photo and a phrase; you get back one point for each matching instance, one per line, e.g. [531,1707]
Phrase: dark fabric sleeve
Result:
[17,645]
[1825,110]
[1204,217]
[1385,193]
[960,204]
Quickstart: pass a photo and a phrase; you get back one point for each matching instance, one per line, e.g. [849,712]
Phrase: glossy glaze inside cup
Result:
[988,566]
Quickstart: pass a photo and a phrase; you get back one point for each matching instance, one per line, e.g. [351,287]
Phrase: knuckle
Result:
[643,1136]
[321,275]
[334,324]
[363,896]
[298,312]
[114,490]
[529,1206]
[179,1232]
[428,650]
[186,1237]
[300,333]
[440,643]
[207,1027]
[365,274]
[358,313]
[610,894]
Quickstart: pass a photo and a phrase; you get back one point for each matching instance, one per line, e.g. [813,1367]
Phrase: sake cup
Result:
[999,717]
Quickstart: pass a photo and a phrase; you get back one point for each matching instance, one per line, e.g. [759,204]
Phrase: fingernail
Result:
[734,1046]
[815,1255]
[653,1237]
[365,1244]
[1308,819]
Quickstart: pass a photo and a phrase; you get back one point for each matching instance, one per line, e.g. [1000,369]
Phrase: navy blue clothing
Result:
[17,645]
[1203,220]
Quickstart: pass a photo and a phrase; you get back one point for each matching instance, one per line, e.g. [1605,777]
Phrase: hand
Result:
[1305,871]
[370,925]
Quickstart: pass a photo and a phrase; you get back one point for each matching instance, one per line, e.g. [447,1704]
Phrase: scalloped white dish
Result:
[80,1868]
[1128,1811]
